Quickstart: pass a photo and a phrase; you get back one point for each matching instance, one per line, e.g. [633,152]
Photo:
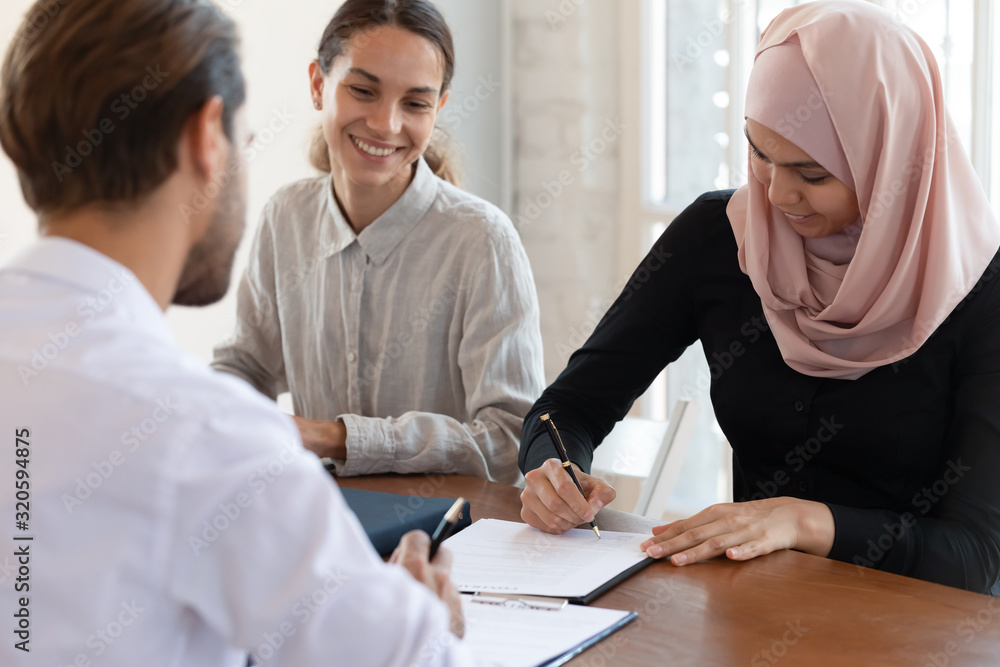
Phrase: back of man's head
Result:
[94,95]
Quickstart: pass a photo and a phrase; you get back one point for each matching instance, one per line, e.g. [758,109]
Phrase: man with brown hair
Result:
[161,513]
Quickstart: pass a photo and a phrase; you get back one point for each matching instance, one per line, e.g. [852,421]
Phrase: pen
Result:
[447,526]
[564,457]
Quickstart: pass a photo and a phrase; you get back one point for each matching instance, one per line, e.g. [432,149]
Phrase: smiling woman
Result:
[435,52]
[865,247]
[823,204]
[399,311]
[380,101]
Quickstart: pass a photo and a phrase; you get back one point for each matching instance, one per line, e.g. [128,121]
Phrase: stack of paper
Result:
[508,564]
[496,556]
[517,635]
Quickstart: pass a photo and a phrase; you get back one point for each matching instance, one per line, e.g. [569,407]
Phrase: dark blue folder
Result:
[386,517]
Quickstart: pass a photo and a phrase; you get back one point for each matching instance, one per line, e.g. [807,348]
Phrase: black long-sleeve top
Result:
[907,457]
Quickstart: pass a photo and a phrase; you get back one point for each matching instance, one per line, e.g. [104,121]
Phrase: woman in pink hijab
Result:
[847,304]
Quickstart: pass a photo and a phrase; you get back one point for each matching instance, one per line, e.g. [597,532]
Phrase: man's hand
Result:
[551,502]
[412,554]
[325,439]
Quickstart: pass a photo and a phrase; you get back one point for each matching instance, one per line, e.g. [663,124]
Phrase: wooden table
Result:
[787,608]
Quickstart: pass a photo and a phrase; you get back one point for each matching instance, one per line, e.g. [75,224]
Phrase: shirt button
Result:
[352,357]
[799,406]
[803,487]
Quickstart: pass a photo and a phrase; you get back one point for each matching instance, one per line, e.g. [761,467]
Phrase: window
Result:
[693,63]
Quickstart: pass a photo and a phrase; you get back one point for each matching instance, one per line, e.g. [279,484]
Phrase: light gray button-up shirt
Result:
[421,333]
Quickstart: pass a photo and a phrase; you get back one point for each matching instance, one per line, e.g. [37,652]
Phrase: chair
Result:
[667,466]
[642,458]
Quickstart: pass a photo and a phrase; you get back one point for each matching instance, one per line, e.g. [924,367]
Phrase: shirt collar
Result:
[72,263]
[381,237]
[336,233]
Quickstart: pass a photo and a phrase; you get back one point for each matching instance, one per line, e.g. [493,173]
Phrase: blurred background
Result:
[592,123]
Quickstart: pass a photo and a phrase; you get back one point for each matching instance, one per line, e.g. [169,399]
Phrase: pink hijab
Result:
[861,94]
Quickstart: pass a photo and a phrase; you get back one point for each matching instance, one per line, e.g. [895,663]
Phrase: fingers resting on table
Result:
[745,530]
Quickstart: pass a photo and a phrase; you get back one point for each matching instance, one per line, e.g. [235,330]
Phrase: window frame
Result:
[639,215]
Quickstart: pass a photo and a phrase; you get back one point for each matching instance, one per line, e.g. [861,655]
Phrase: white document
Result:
[517,635]
[494,556]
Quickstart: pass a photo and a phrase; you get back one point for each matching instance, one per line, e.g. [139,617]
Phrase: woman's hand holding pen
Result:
[412,554]
[551,502]
[746,530]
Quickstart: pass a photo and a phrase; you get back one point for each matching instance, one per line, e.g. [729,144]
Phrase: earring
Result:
[317,105]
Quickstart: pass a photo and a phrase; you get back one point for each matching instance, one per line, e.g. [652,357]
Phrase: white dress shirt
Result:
[421,333]
[176,519]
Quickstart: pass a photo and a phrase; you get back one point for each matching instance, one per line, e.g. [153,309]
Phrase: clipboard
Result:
[386,517]
[599,637]
[510,558]
[542,642]
[611,583]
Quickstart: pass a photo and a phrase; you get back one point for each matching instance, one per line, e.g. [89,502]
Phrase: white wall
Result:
[480,94]
[279,41]
[568,134]
[17,226]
